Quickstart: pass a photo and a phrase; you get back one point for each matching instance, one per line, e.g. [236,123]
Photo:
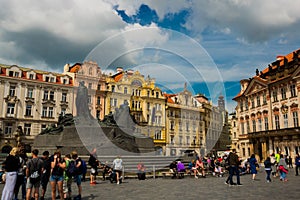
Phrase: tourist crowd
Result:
[32,175]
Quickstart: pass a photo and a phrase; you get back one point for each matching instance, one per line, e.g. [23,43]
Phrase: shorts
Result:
[77,179]
[55,178]
[94,171]
[67,186]
[30,185]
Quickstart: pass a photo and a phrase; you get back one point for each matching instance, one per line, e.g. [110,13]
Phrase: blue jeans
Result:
[268,174]
[234,170]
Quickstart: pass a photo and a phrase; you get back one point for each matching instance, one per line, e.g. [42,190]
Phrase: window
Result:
[98,114]
[187,126]
[258,100]
[51,95]
[277,125]
[65,81]
[283,93]
[98,87]
[90,86]
[234,134]
[63,111]
[44,111]
[50,112]
[98,100]
[264,99]
[180,140]
[244,152]
[43,127]
[295,119]
[30,92]
[259,125]
[52,80]
[10,109]
[241,106]
[113,88]
[180,126]
[89,99]
[157,107]
[157,135]
[252,102]
[246,104]
[125,90]
[172,139]
[188,142]
[46,94]
[148,93]
[47,79]
[31,76]
[12,91]
[148,106]
[285,120]
[274,94]
[173,152]
[8,128]
[253,125]
[172,125]
[248,126]
[266,123]
[27,129]
[64,97]
[157,95]
[28,111]
[293,90]
[243,128]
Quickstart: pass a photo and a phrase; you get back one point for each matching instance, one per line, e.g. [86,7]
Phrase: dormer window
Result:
[13,74]
[52,80]
[31,77]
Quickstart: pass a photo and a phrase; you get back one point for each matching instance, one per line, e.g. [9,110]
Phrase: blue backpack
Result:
[72,170]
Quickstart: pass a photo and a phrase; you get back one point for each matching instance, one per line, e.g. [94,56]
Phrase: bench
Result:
[172,174]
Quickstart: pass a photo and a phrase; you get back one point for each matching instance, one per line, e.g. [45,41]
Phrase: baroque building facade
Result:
[145,100]
[268,109]
[31,100]
[184,124]
[90,73]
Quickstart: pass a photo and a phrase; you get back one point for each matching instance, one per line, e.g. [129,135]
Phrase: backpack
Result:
[71,170]
[35,174]
[83,167]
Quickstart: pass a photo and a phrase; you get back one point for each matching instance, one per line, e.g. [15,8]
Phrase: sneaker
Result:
[78,197]
[196,177]
[226,183]
[118,182]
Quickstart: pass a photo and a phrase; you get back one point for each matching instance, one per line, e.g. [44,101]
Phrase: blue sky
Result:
[234,37]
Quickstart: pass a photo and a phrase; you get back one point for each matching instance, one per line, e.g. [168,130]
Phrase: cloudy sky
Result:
[174,41]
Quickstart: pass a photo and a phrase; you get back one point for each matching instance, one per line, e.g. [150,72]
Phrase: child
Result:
[268,169]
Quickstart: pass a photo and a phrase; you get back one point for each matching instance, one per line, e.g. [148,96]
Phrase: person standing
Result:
[21,176]
[268,168]
[253,165]
[46,173]
[273,166]
[94,163]
[67,184]
[282,166]
[58,166]
[234,163]
[34,171]
[118,167]
[297,163]
[11,165]
[77,178]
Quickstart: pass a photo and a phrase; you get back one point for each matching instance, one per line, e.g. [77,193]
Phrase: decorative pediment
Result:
[255,86]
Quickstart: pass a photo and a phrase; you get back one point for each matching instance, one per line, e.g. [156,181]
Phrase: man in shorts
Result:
[34,169]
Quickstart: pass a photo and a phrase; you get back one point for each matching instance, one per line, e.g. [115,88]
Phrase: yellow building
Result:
[268,109]
[146,102]
[31,100]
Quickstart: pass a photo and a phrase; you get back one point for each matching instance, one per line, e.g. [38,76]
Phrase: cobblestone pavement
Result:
[191,188]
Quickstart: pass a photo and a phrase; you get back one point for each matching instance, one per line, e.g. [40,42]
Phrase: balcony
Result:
[48,101]
[11,99]
[275,133]
[29,100]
